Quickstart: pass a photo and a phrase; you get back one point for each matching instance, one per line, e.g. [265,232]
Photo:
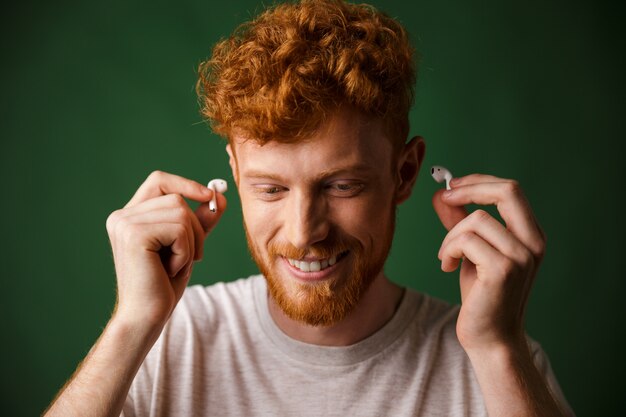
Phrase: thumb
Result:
[209,219]
[449,215]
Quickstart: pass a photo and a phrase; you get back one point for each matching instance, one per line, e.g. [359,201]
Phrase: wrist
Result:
[141,317]
[500,355]
[510,381]
[496,345]
[135,332]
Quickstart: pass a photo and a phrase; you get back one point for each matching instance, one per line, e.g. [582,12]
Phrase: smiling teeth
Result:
[314,266]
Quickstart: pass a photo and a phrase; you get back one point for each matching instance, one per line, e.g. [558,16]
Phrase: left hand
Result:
[499,263]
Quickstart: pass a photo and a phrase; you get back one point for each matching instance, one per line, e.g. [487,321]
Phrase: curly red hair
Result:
[278,76]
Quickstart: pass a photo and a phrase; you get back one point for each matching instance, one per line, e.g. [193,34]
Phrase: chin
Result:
[319,302]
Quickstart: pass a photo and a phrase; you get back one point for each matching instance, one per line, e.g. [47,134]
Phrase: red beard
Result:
[330,301]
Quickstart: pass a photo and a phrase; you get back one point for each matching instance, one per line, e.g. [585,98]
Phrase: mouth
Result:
[316,265]
[315,269]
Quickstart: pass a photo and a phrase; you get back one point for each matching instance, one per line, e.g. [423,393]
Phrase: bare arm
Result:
[512,385]
[155,238]
[101,383]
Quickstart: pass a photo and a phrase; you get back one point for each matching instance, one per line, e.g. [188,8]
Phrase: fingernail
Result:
[454,181]
[448,193]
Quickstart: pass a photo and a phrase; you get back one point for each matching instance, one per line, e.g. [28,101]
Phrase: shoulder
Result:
[217,302]
[208,317]
[433,314]
[430,358]
[432,327]
[208,324]
[219,292]
[239,287]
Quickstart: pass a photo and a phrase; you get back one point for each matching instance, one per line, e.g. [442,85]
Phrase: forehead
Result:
[346,140]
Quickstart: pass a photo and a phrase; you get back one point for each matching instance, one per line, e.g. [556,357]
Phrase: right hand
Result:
[156,238]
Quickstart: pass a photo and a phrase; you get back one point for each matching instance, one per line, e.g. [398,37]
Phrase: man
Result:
[314,98]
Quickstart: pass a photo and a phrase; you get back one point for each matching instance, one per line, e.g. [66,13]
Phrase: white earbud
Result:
[218,186]
[440,174]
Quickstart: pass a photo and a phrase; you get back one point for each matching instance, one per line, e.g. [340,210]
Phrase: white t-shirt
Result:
[221,354]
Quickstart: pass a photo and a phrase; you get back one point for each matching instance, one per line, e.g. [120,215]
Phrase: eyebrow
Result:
[353,169]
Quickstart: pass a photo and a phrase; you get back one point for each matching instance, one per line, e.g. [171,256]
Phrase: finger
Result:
[161,183]
[208,219]
[180,281]
[181,215]
[174,203]
[157,203]
[493,232]
[181,251]
[449,215]
[475,179]
[511,203]
[171,243]
[471,246]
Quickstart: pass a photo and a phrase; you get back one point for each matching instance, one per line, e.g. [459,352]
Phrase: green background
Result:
[96,95]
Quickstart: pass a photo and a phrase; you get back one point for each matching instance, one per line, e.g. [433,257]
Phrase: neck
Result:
[373,311]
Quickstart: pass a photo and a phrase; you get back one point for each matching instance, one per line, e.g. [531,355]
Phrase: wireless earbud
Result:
[440,174]
[218,186]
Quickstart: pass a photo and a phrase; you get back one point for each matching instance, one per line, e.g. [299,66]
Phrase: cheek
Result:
[365,219]
[259,219]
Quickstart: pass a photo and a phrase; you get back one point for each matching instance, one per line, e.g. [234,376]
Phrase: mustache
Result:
[332,245]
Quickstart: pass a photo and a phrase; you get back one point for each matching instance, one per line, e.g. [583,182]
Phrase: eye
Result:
[268,191]
[345,189]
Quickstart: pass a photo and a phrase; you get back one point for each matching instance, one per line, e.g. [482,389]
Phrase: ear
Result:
[232,160]
[409,163]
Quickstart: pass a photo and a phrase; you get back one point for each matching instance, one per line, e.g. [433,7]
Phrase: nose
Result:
[307,220]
